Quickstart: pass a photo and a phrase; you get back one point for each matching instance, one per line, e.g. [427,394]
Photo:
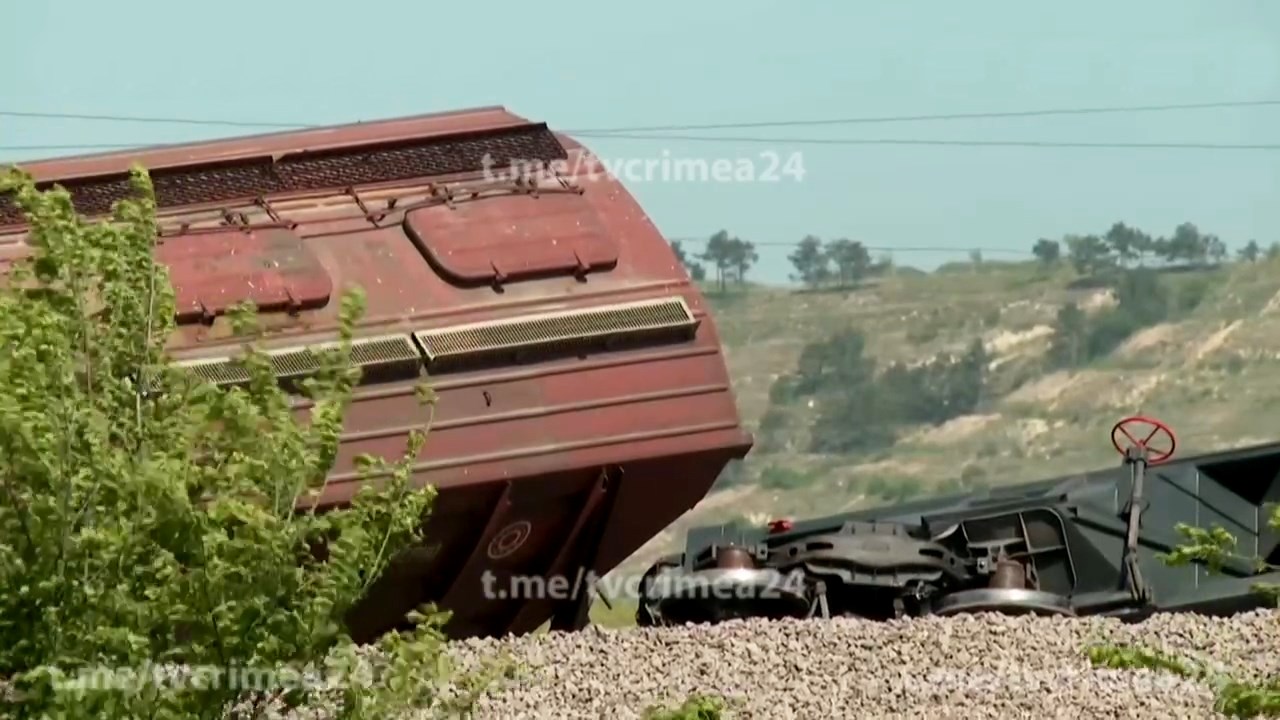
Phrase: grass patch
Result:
[1233,698]
[621,615]
[697,707]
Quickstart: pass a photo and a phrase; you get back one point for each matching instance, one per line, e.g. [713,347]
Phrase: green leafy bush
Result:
[1142,301]
[148,518]
[860,408]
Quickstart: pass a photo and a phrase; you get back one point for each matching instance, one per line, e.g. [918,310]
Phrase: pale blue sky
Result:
[580,64]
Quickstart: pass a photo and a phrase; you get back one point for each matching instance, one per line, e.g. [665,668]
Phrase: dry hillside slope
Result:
[1212,373]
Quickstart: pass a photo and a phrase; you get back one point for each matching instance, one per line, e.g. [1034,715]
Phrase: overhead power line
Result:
[940,117]
[831,142]
[947,143]
[1102,110]
[96,146]
[883,248]
[153,120]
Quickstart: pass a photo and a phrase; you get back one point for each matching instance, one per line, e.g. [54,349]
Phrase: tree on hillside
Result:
[810,261]
[962,382]
[1250,252]
[851,259]
[838,361]
[695,269]
[719,253]
[1216,250]
[838,374]
[944,387]
[148,516]
[1128,243]
[1187,244]
[742,256]
[1070,334]
[1048,252]
[1122,245]
[1141,301]
[1141,296]
[860,409]
[1088,253]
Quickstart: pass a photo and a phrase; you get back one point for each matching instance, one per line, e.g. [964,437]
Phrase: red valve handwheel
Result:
[1156,456]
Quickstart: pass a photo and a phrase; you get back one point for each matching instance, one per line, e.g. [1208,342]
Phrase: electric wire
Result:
[153,120]
[644,132]
[947,143]
[1100,110]
[935,117]
[881,248]
[830,142]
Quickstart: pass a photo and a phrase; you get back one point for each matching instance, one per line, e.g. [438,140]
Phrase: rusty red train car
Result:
[584,403]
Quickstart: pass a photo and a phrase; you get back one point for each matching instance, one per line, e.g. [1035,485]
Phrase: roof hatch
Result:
[213,271]
[512,237]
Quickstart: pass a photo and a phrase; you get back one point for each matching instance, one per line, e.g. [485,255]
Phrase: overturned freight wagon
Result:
[1084,544]
[583,402]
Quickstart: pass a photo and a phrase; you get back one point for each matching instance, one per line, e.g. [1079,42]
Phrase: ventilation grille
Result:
[313,171]
[609,327]
[380,358]
[395,357]
[223,371]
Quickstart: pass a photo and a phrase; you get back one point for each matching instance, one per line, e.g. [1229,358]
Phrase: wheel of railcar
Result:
[1007,601]
[645,616]
[717,594]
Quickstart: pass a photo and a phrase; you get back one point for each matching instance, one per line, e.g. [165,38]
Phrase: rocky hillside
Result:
[1207,361]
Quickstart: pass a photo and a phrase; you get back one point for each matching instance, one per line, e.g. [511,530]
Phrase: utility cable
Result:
[932,118]
[832,142]
[947,143]
[881,248]
[1101,110]
[630,132]
[153,120]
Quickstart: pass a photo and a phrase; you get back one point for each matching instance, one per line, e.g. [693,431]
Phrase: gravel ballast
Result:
[971,666]
[965,667]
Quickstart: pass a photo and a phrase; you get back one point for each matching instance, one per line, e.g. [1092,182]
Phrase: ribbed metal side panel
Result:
[379,357]
[573,330]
